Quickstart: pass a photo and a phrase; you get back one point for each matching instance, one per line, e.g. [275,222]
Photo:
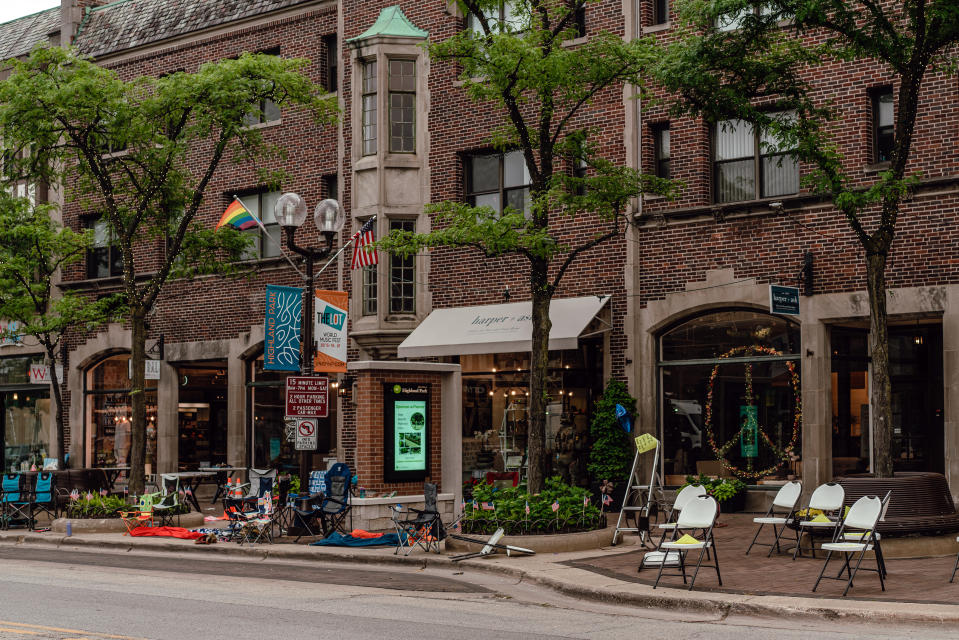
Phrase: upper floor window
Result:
[331,187]
[883,125]
[332,55]
[579,18]
[265,110]
[661,150]
[103,257]
[368,93]
[369,290]
[734,21]
[660,11]
[402,97]
[749,165]
[261,205]
[504,17]
[498,180]
[402,274]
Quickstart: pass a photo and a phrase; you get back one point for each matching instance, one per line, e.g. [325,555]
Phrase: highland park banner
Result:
[281,342]
[329,327]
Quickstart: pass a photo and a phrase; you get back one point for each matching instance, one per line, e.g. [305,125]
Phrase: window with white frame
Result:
[748,164]
[369,290]
[506,16]
[261,205]
[103,257]
[498,181]
[368,102]
[402,106]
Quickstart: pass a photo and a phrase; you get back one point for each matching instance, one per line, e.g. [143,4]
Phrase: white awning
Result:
[498,328]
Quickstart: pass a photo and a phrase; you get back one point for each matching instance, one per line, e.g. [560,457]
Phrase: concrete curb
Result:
[563,579]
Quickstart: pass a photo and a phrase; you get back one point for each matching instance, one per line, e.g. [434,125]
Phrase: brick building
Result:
[743,222]
[213,401]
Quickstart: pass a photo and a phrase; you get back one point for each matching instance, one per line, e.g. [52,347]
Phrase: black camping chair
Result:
[336,502]
[419,527]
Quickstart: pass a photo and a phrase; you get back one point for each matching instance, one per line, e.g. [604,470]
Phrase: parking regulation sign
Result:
[307,396]
[306,434]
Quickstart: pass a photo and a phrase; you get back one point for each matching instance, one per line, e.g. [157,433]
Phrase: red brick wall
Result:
[364,429]
[683,240]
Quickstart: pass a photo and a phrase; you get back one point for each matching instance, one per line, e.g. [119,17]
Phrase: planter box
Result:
[114,525]
[374,514]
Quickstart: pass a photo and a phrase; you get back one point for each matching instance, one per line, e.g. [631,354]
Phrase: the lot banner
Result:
[329,327]
[281,345]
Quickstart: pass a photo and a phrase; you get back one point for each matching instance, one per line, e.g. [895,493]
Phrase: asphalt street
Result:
[49,593]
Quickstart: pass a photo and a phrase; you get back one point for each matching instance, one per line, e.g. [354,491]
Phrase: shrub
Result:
[97,507]
[611,452]
[509,510]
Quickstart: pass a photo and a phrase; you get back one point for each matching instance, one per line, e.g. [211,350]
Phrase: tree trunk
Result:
[881,401]
[538,373]
[58,399]
[138,430]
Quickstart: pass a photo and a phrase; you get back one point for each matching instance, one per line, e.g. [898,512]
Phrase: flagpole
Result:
[272,239]
[337,254]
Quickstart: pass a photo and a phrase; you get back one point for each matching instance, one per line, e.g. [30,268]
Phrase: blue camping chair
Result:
[44,498]
[336,501]
[14,500]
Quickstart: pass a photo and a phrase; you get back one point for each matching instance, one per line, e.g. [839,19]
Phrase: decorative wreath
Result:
[782,454]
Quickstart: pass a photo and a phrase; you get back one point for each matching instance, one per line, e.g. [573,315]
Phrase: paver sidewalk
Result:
[918,589]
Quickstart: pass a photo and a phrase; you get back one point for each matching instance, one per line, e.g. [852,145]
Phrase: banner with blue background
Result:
[281,343]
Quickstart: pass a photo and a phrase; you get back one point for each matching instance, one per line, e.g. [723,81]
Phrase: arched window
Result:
[751,393]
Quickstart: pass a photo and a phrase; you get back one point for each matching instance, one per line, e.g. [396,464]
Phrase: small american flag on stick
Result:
[363,254]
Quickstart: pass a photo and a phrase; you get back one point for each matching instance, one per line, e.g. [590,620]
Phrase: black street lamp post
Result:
[290,211]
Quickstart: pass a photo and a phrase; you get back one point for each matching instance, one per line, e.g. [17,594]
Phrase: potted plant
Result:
[611,453]
[730,493]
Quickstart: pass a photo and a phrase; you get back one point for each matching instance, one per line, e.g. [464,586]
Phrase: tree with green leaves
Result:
[766,61]
[140,154]
[34,250]
[541,86]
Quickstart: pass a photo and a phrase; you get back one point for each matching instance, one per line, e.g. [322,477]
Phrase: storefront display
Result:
[108,413]
[24,416]
[731,401]
[495,410]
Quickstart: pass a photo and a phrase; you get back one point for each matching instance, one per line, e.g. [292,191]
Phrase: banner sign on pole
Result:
[307,397]
[281,344]
[329,331]
[306,430]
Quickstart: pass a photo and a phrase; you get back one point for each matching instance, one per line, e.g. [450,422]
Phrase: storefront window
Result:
[915,369]
[743,366]
[496,420]
[109,414]
[24,415]
[273,445]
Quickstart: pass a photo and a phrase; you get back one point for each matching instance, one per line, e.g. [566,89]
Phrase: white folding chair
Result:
[654,558]
[854,536]
[699,514]
[827,498]
[862,517]
[786,498]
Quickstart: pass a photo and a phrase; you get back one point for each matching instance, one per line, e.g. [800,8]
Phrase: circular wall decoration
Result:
[782,454]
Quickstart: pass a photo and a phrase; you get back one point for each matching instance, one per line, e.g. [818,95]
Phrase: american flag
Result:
[363,255]
[527,508]
[555,505]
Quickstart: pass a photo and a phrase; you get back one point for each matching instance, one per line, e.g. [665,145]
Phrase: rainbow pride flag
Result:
[237,216]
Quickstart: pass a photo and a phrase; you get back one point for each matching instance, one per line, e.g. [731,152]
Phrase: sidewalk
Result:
[918,590]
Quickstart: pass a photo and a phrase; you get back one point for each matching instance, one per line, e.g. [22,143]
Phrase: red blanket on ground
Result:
[170,532]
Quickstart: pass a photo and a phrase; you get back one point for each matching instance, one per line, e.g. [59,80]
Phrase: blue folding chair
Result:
[14,500]
[44,498]
[336,502]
